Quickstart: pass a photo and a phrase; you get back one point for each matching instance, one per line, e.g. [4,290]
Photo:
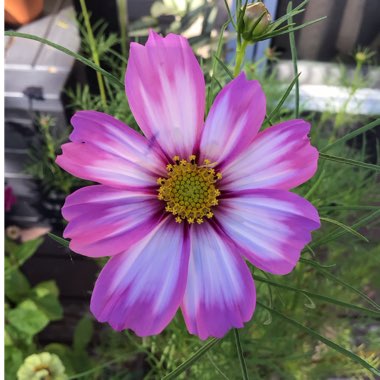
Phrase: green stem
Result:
[339,120]
[293,51]
[94,52]
[239,349]
[123,22]
[240,54]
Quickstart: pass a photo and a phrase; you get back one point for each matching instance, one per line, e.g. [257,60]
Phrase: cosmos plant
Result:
[181,210]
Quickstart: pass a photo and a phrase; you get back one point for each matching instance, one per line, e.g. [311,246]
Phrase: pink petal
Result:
[270,226]
[142,288]
[220,293]
[104,221]
[166,92]
[107,151]
[234,120]
[280,157]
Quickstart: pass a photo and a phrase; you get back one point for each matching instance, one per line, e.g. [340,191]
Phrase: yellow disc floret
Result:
[189,190]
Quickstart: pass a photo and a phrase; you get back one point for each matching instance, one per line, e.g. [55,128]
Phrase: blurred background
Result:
[339,90]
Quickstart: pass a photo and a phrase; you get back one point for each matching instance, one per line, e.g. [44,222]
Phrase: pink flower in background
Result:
[181,209]
[9,198]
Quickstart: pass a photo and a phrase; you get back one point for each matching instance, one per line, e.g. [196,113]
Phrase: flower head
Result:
[255,21]
[181,209]
[43,366]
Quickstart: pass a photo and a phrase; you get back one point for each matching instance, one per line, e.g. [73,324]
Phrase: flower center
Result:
[189,189]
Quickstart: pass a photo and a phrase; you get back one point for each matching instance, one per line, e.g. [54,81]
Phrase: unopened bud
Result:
[256,20]
[363,56]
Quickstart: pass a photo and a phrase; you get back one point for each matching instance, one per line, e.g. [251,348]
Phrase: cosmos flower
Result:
[181,209]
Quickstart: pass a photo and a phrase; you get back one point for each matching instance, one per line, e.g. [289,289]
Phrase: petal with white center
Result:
[105,150]
[105,221]
[281,157]
[166,92]
[142,288]
[271,227]
[220,293]
[233,121]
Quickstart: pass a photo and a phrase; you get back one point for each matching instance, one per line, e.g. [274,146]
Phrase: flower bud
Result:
[256,20]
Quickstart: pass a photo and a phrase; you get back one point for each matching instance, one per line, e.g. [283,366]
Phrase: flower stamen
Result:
[189,190]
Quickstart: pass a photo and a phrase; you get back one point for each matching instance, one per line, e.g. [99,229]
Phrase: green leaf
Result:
[45,295]
[59,240]
[339,232]
[230,17]
[10,246]
[21,252]
[347,228]
[298,9]
[17,286]
[28,318]
[224,66]
[332,277]
[78,57]
[349,207]
[280,33]
[351,135]
[83,333]
[27,249]
[243,365]
[13,357]
[283,98]
[189,362]
[357,359]
[369,312]
[348,161]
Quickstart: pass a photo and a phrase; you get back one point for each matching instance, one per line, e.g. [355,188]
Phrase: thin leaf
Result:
[347,228]
[226,69]
[275,24]
[213,71]
[317,181]
[216,367]
[283,98]
[243,366]
[357,359]
[351,135]
[348,207]
[61,48]
[59,240]
[339,281]
[338,233]
[189,362]
[293,50]
[231,19]
[276,33]
[348,161]
[240,14]
[294,12]
[372,313]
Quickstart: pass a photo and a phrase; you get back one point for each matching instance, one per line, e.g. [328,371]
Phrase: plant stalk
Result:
[239,349]
[240,54]
[94,52]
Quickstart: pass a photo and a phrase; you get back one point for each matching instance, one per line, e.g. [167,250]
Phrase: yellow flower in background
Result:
[43,366]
